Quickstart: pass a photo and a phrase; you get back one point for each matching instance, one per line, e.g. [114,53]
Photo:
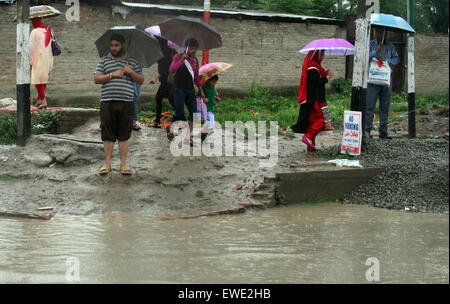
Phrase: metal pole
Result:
[360,63]
[207,19]
[23,72]
[411,76]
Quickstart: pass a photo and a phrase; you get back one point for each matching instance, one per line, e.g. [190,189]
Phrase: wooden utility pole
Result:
[23,72]
[360,62]
[207,19]
[411,76]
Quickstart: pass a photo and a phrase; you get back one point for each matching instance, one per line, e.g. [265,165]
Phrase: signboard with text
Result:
[351,140]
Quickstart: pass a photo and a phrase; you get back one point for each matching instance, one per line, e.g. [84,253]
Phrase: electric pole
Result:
[411,75]
[207,19]
[360,62]
[23,72]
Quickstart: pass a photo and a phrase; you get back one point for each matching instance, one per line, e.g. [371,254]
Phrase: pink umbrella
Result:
[332,46]
[213,68]
[156,31]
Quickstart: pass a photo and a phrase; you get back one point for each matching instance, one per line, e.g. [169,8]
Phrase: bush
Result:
[8,128]
[343,86]
[43,122]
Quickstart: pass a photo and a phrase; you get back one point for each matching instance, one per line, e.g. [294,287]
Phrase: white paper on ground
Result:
[346,162]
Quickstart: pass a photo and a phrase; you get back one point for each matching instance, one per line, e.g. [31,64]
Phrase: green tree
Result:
[435,12]
[431,16]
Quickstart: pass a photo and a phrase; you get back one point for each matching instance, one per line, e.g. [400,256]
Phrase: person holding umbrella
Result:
[41,50]
[311,97]
[185,66]
[117,73]
[41,59]
[381,50]
[165,88]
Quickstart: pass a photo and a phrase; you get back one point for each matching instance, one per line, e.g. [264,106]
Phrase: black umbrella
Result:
[139,45]
[182,28]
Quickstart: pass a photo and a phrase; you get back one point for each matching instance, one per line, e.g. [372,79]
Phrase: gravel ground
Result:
[415,178]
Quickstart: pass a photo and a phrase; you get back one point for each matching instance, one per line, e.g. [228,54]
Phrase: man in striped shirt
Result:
[117,72]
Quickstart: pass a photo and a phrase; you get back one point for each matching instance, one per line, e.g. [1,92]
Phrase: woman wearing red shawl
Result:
[41,58]
[314,115]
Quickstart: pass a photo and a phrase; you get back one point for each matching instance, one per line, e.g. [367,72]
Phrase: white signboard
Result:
[351,140]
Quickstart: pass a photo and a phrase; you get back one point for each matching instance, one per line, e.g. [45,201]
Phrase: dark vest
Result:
[183,79]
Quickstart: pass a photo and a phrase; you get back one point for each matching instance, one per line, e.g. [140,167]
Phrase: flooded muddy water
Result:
[312,243]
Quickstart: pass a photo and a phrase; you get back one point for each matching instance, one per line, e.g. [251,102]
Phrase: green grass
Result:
[8,176]
[268,107]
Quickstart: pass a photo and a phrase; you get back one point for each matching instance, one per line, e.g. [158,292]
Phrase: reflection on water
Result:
[321,243]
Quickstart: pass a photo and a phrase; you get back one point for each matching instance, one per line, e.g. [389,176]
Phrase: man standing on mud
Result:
[117,72]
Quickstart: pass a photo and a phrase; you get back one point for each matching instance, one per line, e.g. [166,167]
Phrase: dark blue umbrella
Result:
[390,23]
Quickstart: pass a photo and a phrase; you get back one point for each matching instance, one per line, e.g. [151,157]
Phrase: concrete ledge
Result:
[322,184]
[72,118]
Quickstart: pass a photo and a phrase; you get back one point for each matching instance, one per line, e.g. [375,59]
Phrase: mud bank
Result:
[61,172]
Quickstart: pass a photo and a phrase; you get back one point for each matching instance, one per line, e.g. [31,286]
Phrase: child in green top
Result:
[209,88]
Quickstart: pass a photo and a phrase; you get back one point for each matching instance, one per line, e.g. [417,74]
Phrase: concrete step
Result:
[321,183]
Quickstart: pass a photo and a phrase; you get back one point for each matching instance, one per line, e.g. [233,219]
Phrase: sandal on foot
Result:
[154,125]
[104,170]
[136,127]
[306,141]
[125,170]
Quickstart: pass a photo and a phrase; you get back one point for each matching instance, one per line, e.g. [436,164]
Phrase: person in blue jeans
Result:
[185,66]
[381,50]
[137,92]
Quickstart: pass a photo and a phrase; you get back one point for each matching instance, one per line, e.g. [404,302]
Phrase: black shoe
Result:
[384,137]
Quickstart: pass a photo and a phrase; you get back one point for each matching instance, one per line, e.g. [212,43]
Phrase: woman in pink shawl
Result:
[41,59]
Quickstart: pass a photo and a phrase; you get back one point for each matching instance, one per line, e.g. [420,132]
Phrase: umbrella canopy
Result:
[391,23]
[156,31]
[332,46]
[139,45]
[182,28]
[43,11]
[214,68]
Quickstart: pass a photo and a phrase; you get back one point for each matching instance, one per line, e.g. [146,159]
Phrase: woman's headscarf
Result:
[37,23]
[312,61]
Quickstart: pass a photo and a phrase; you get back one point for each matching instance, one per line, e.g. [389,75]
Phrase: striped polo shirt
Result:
[119,89]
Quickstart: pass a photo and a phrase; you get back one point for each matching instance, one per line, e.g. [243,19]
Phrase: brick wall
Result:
[431,60]
[260,51]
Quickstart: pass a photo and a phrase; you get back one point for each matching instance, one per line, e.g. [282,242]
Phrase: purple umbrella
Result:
[332,46]
[156,31]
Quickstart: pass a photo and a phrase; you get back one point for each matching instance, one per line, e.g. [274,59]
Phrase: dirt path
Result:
[62,172]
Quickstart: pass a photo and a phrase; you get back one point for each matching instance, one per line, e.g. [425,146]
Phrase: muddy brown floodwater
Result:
[307,243]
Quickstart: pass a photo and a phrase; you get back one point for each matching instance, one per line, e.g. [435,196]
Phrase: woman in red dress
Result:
[314,115]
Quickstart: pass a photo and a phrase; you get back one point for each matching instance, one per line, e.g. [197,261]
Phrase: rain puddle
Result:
[315,243]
